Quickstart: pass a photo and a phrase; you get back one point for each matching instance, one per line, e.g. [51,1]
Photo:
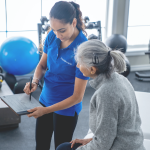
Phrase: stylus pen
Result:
[30,86]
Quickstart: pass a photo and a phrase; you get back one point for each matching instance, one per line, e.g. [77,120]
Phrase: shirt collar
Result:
[97,82]
[73,44]
[58,41]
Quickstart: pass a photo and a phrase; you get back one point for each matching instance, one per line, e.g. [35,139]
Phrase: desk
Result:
[143,99]
[7,117]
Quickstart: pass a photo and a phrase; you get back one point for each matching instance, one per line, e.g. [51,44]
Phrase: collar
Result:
[97,82]
[73,44]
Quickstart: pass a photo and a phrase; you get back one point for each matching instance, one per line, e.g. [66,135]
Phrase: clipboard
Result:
[20,103]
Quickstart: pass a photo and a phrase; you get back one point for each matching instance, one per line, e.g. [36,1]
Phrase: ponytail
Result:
[80,24]
[67,11]
[119,60]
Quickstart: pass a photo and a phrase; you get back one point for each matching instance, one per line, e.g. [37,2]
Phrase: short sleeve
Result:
[80,75]
[48,40]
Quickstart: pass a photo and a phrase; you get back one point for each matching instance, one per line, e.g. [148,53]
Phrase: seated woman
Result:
[114,114]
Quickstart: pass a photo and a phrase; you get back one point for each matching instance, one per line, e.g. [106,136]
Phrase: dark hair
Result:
[67,11]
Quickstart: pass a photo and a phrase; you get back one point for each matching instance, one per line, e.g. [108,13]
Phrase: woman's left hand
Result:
[81,141]
[37,112]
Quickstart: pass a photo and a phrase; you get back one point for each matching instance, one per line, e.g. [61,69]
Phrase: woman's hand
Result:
[37,112]
[27,88]
[81,141]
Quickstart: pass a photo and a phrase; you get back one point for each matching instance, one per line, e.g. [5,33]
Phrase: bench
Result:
[143,99]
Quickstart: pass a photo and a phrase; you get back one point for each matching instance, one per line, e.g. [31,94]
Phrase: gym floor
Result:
[23,137]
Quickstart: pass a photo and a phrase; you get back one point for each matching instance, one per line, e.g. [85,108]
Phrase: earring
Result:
[91,72]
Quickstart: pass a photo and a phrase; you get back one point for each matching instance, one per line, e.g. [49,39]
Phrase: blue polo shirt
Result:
[59,79]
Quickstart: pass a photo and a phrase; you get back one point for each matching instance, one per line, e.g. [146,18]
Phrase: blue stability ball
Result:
[18,55]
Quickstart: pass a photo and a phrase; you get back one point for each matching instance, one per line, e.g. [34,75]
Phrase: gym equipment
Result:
[117,41]
[93,25]
[8,119]
[92,36]
[140,76]
[41,29]
[1,79]
[18,55]
[126,73]
[10,80]
[86,19]
[1,70]
[20,84]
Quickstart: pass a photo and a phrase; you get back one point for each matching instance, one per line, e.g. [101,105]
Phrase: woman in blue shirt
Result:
[64,84]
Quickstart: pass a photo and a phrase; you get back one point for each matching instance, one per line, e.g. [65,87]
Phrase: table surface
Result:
[5,90]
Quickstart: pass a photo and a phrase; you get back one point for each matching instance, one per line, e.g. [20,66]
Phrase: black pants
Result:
[67,146]
[63,127]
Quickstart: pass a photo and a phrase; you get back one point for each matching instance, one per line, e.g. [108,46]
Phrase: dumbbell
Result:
[92,36]
[1,79]
[1,70]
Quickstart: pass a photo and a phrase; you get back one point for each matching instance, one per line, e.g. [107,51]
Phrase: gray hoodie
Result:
[114,115]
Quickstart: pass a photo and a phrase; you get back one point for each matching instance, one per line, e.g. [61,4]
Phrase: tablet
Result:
[20,103]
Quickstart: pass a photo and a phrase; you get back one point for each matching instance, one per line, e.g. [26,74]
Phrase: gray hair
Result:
[96,53]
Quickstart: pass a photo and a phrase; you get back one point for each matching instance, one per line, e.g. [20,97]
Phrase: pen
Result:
[30,86]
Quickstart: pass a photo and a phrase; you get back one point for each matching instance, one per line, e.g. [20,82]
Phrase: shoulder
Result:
[109,91]
[116,88]
[82,38]
[50,37]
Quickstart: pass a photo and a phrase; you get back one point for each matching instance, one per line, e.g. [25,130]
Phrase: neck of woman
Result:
[68,42]
[75,34]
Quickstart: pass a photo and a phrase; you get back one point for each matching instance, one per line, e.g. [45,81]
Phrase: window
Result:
[24,14]
[3,21]
[2,37]
[32,35]
[20,17]
[96,11]
[138,24]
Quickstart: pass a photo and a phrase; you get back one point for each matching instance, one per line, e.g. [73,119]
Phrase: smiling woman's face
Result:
[63,31]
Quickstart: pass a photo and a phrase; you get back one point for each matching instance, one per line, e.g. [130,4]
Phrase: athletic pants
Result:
[63,127]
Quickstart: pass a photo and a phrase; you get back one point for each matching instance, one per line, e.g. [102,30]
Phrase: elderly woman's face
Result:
[86,72]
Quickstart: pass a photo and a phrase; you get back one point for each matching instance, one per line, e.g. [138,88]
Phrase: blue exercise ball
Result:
[18,55]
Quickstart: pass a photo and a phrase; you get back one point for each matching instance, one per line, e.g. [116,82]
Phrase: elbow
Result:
[78,99]
[42,67]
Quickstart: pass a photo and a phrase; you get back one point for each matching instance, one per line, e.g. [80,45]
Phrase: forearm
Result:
[39,73]
[89,139]
[70,101]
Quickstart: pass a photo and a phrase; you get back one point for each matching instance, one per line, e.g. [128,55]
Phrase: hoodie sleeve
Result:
[105,122]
